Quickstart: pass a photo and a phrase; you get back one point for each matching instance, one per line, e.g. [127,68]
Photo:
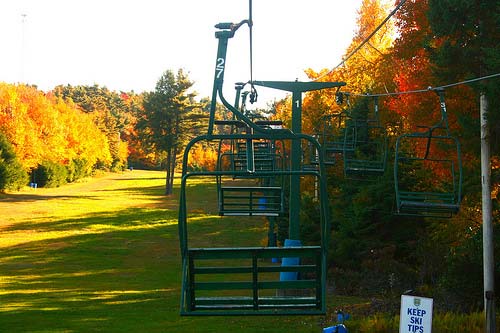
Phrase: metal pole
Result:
[488,261]
[296,154]
[23,47]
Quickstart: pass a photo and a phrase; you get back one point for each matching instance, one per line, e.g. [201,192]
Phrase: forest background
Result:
[50,138]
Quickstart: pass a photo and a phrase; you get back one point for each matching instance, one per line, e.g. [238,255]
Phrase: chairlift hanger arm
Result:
[442,124]
[247,120]
[444,116]
[227,31]
[229,27]
[223,37]
[298,86]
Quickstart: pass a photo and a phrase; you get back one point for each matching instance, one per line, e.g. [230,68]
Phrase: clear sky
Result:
[127,44]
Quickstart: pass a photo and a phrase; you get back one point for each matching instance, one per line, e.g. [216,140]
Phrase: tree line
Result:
[70,132]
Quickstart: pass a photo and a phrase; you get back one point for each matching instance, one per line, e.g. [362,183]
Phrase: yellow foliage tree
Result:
[368,69]
[42,127]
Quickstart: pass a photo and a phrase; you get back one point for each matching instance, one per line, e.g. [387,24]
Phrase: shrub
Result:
[118,165]
[12,174]
[78,169]
[461,284]
[50,174]
[448,322]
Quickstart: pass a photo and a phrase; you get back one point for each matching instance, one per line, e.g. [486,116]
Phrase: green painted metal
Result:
[443,196]
[244,281]
[296,88]
[263,287]
[368,156]
[437,152]
[264,199]
[365,147]
[335,137]
[249,282]
[251,201]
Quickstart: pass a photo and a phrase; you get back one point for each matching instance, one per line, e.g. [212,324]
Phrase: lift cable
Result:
[429,88]
[253,91]
[353,52]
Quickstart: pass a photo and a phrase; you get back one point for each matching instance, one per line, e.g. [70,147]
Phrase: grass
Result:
[103,255]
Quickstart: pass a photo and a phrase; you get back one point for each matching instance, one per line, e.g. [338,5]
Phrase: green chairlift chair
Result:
[435,159]
[365,155]
[244,280]
[334,135]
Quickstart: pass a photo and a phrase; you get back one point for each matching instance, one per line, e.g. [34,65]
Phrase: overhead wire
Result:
[253,92]
[366,40]
[429,88]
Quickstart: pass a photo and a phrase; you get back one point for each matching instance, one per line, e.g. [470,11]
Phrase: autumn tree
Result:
[134,104]
[44,128]
[368,69]
[110,112]
[368,238]
[465,44]
[17,125]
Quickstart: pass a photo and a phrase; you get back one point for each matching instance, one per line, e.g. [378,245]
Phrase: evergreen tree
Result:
[465,44]
[12,174]
[163,122]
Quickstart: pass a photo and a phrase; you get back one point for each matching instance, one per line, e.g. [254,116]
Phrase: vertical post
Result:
[23,47]
[220,65]
[296,154]
[488,260]
[442,104]
[239,87]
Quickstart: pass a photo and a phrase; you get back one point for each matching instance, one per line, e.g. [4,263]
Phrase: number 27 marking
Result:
[219,67]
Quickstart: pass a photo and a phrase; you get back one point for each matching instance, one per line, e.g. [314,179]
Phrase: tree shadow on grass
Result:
[99,280]
[97,222]
[141,178]
[122,277]
[23,197]
[114,271]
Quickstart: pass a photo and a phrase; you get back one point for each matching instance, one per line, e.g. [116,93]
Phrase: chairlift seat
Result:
[246,282]
[363,167]
[251,201]
[427,203]
[443,201]
[368,154]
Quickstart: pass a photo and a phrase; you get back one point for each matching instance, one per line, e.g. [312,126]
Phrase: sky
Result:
[127,45]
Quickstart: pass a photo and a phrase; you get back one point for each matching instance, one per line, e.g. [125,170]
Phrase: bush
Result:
[78,169]
[12,174]
[447,322]
[118,165]
[50,174]
[462,282]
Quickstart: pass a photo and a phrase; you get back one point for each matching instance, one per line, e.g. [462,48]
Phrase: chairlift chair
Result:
[365,155]
[220,281]
[428,170]
[334,136]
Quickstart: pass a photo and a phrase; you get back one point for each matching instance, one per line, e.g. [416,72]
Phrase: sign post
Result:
[416,314]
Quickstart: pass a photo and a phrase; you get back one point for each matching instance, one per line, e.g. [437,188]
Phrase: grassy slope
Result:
[103,255]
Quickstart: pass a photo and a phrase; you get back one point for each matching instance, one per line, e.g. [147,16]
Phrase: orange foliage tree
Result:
[368,70]
[42,127]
